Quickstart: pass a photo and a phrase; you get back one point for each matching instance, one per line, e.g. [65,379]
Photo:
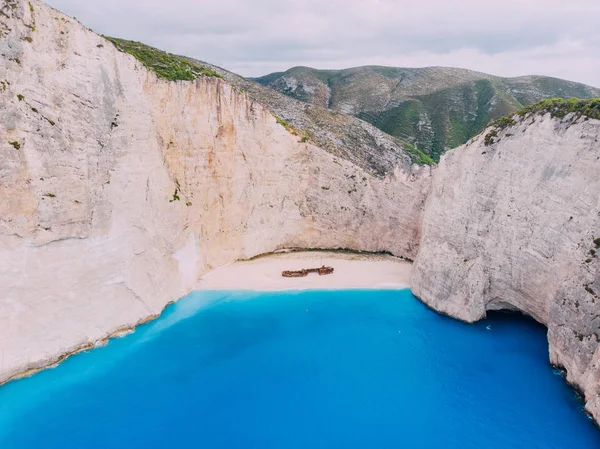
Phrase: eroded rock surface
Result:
[511,225]
[118,189]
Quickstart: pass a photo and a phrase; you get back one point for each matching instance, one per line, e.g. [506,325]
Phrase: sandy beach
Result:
[352,271]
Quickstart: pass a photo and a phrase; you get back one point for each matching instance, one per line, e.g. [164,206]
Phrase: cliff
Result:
[119,189]
[512,223]
[343,135]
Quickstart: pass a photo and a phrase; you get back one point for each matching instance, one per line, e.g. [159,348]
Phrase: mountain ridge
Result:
[434,108]
[428,67]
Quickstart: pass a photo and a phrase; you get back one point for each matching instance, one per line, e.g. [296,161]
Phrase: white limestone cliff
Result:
[119,189]
[512,225]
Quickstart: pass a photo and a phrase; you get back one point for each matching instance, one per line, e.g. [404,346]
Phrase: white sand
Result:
[351,271]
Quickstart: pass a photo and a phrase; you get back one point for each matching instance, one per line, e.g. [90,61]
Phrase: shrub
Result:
[282,122]
[289,128]
[489,137]
[417,156]
[21,97]
[504,122]
[16,145]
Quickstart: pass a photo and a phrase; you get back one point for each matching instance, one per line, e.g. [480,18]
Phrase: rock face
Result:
[118,189]
[342,135]
[511,225]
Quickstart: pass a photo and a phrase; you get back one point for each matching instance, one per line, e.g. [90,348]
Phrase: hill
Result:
[434,108]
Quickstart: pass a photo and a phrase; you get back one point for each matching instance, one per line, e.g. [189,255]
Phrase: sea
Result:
[304,369]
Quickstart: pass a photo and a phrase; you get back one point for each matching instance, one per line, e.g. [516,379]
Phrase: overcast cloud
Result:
[256,37]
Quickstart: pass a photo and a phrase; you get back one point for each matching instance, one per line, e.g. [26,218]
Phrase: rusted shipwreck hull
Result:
[304,272]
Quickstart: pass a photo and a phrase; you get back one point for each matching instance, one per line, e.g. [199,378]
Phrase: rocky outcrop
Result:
[119,189]
[511,224]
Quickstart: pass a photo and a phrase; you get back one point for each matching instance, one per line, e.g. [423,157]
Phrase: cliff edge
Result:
[513,222]
[118,189]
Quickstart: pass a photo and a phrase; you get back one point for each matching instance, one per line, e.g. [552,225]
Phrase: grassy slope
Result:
[165,65]
[556,107]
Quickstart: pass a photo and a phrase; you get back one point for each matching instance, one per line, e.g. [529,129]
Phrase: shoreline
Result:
[263,273]
[81,348]
[351,271]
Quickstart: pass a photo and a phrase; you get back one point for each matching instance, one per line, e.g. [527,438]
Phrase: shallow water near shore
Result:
[318,369]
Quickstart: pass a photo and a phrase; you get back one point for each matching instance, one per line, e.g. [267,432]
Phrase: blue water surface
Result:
[340,369]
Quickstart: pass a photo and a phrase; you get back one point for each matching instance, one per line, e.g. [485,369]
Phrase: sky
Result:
[558,38]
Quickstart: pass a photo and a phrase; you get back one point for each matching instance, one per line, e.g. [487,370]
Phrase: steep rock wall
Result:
[118,189]
[512,225]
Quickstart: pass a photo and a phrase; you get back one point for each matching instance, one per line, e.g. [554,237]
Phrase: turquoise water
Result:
[343,369]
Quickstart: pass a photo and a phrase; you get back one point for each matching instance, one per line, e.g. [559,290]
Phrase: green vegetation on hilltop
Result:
[388,72]
[557,107]
[165,65]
